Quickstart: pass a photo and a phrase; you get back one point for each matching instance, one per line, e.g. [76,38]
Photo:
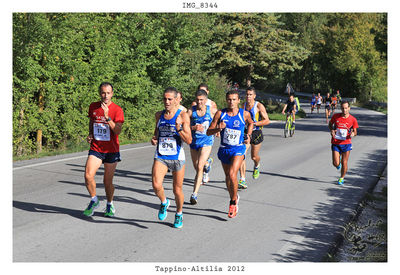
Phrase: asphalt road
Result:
[292,213]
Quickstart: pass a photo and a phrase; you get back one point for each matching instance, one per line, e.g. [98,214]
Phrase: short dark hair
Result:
[343,102]
[180,93]
[104,84]
[201,92]
[171,90]
[202,85]
[232,92]
[251,88]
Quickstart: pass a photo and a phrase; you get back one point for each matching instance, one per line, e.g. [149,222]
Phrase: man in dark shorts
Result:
[260,118]
[343,127]
[290,108]
[328,106]
[106,119]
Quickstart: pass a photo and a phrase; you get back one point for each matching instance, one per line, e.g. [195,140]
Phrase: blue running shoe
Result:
[338,167]
[207,167]
[178,221]
[340,181]
[193,199]
[162,213]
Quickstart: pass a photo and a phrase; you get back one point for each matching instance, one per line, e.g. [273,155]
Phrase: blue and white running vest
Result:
[232,135]
[200,137]
[169,144]
[254,116]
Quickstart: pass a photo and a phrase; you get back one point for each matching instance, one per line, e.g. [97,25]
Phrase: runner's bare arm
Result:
[90,136]
[213,129]
[183,122]
[154,139]
[264,116]
[333,131]
[249,121]
[116,127]
[353,132]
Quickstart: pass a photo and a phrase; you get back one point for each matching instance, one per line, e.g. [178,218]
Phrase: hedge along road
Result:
[293,212]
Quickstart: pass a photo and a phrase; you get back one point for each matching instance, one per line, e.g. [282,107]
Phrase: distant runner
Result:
[106,119]
[201,116]
[231,122]
[343,127]
[328,102]
[319,102]
[313,102]
[179,100]
[213,106]
[171,130]
[260,117]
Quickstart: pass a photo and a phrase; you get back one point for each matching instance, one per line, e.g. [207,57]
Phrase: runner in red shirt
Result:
[106,119]
[343,127]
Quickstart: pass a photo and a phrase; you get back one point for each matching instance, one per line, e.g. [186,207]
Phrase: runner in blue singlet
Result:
[201,116]
[231,123]
[172,129]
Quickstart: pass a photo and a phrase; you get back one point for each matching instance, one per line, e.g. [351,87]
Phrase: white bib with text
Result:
[231,136]
[167,146]
[101,131]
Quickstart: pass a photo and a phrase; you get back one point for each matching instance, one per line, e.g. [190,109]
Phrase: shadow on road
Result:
[312,241]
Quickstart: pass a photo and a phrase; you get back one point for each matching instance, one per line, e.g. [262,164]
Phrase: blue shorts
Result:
[341,148]
[198,146]
[225,154]
[106,157]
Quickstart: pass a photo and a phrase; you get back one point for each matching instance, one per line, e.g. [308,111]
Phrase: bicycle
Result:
[289,127]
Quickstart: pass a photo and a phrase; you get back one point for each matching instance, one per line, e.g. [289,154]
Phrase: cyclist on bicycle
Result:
[290,108]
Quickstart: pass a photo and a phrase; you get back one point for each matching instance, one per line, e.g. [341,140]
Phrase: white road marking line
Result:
[66,159]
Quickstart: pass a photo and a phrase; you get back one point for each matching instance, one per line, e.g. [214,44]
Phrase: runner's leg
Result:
[335,158]
[254,154]
[159,171]
[203,155]
[177,188]
[92,165]
[242,169]
[345,158]
[109,170]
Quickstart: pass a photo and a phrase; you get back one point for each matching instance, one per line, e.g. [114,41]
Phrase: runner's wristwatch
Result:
[108,119]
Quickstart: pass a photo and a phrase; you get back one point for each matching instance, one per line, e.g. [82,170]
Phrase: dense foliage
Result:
[59,59]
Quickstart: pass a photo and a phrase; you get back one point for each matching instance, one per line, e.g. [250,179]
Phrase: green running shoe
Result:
[162,213]
[178,221]
[89,211]
[110,210]
[256,172]
[242,184]
[340,181]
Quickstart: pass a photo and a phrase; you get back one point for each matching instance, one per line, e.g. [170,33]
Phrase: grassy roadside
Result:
[370,106]
[274,113]
[364,238]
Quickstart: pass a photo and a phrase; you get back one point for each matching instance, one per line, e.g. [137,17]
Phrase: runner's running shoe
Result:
[206,178]
[340,181]
[242,184]
[162,213]
[234,208]
[193,199]
[91,207]
[207,167]
[110,210]
[178,221]
[256,172]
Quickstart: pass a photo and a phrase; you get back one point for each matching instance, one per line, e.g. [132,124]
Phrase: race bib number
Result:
[341,134]
[231,136]
[205,124]
[167,146]
[101,131]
